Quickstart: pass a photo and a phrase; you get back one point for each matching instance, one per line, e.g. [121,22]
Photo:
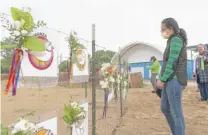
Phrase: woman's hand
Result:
[160,84]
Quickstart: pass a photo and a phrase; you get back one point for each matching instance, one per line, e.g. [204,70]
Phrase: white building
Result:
[138,55]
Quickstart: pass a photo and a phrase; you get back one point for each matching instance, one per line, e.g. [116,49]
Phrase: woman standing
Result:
[201,67]
[173,75]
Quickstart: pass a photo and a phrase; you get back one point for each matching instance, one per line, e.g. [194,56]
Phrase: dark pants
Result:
[203,91]
[171,107]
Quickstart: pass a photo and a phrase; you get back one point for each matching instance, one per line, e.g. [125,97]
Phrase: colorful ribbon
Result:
[14,72]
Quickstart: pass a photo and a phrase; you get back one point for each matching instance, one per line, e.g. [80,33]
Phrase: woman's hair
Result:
[202,46]
[153,58]
[172,23]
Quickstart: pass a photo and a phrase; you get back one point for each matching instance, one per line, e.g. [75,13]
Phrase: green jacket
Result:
[155,68]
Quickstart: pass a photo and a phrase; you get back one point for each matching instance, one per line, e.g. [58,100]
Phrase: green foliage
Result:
[73,46]
[28,132]
[73,42]
[33,43]
[4,130]
[63,66]
[5,66]
[72,114]
[103,56]
[6,55]
[19,15]
[27,25]
[40,24]
[74,58]
[8,46]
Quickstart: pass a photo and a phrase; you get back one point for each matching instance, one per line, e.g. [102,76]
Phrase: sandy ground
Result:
[144,117]
[46,100]
[142,113]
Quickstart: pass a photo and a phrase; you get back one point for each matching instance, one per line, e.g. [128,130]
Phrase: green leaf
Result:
[19,15]
[16,13]
[34,44]
[81,46]
[8,46]
[74,57]
[29,22]
[4,130]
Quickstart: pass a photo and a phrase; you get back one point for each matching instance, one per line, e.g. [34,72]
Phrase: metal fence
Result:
[91,89]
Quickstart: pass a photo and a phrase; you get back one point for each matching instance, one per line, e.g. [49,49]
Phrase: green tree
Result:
[103,56]
[6,55]
[63,66]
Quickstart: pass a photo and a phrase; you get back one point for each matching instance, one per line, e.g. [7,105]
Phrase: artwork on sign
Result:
[35,57]
[48,127]
[82,127]
[81,59]
[80,67]
[40,64]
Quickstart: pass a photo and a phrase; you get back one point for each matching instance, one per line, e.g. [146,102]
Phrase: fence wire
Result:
[43,96]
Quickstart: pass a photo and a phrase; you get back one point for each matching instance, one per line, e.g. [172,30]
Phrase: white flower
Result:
[104,85]
[105,66]
[24,32]
[23,125]
[118,81]
[16,33]
[32,126]
[103,69]
[74,104]
[112,79]
[82,114]
[125,83]
[17,25]
[102,82]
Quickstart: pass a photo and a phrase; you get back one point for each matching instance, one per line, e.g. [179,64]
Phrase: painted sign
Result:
[80,67]
[40,64]
[48,127]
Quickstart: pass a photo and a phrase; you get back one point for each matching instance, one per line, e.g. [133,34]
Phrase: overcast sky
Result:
[119,22]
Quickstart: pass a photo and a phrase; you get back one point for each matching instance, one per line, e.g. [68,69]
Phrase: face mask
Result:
[164,35]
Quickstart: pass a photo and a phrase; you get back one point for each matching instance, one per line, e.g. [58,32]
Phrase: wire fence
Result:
[116,107]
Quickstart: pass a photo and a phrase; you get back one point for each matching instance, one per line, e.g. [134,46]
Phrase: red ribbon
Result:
[18,54]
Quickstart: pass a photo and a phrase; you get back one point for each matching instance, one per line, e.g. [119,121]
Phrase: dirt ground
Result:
[144,117]
[142,113]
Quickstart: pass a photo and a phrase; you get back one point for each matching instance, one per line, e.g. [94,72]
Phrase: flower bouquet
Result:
[73,115]
[108,71]
[21,31]
[118,79]
[23,126]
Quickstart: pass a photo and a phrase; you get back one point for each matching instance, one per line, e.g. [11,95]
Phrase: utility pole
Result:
[120,89]
[93,83]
